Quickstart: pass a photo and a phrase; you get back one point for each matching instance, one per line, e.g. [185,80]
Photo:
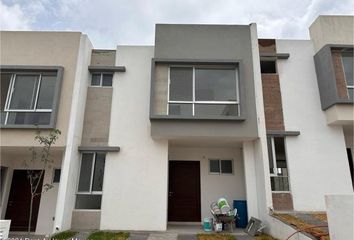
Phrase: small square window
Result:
[56,176]
[107,80]
[220,166]
[226,166]
[214,166]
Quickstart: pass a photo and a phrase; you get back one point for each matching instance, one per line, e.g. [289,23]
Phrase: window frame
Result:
[275,168]
[91,174]
[57,71]
[101,79]
[220,171]
[345,77]
[194,102]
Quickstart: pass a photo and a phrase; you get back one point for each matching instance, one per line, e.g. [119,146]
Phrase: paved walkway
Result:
[173,233]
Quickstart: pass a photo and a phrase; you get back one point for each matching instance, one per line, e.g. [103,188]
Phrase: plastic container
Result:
[208,224]
[224,205]
[242,219]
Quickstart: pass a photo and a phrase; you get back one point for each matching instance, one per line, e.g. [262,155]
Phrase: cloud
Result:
[14,18]
[112,22]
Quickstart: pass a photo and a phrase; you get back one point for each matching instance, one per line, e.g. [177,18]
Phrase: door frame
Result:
[198,194]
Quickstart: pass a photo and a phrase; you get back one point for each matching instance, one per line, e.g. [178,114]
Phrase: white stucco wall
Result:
[212,187]
[135,180]
[317,158]
[340,214]
[70,164]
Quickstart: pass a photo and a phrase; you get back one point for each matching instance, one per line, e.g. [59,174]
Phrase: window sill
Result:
[200,118]
[26,126]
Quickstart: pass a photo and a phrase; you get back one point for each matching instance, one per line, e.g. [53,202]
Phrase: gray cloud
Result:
[112,22]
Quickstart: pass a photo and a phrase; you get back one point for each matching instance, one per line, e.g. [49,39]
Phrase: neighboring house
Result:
[153,134]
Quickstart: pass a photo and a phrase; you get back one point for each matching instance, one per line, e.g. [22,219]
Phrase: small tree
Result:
[40,160]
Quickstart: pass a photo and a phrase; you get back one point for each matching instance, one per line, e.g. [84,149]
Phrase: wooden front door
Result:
[18,205]
[184,191]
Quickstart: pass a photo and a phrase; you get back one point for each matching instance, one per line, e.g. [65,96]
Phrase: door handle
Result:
[170,194]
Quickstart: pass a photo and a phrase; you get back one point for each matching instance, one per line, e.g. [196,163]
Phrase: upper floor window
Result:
[347,59]
[203,91]
[101,79]
[28,98]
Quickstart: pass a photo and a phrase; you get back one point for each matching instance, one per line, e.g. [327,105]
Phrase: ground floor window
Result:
[220,166]
[89,189]
[279,176]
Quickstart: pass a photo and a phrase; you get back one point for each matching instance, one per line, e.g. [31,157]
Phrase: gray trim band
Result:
[98,149]
[93,69]
[275,55]
[233,62]
[206,118]
[56,98]
[283,133]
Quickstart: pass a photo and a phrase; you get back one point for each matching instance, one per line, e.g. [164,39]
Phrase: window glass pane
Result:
[347,59]
[215,85]
[25,90]
[107,80]
[279,183]
[280,156]
[181,84]
[29,118]
[88,201]
[85,172]
[96,80]
[216,110]
[268,67]
[226,166]
[180,109]
[270,155]
[351,93]
[214,166]
[46,92]
[98,172]
[5,79]
[56,177]
[2,117]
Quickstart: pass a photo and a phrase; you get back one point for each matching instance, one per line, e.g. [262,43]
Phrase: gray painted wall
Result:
[207,43]
[97,116]
[326,78]
[103,57]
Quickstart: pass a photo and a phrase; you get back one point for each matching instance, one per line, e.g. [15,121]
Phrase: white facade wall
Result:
[317,159]
[214,186]
[71,159]
[263,188]
[135,181]
[340,214]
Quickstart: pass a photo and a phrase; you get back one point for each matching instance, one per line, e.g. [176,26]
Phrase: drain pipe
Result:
[303,229]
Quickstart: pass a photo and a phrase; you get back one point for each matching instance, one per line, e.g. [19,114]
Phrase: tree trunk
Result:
[30,215]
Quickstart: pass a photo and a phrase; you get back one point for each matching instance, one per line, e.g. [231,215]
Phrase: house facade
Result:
[152,135]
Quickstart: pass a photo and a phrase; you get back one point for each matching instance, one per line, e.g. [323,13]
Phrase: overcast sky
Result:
[132,22]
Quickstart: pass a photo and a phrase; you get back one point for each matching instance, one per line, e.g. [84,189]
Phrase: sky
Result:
[132,22]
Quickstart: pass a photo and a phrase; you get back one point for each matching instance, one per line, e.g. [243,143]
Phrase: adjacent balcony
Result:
[334,69]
